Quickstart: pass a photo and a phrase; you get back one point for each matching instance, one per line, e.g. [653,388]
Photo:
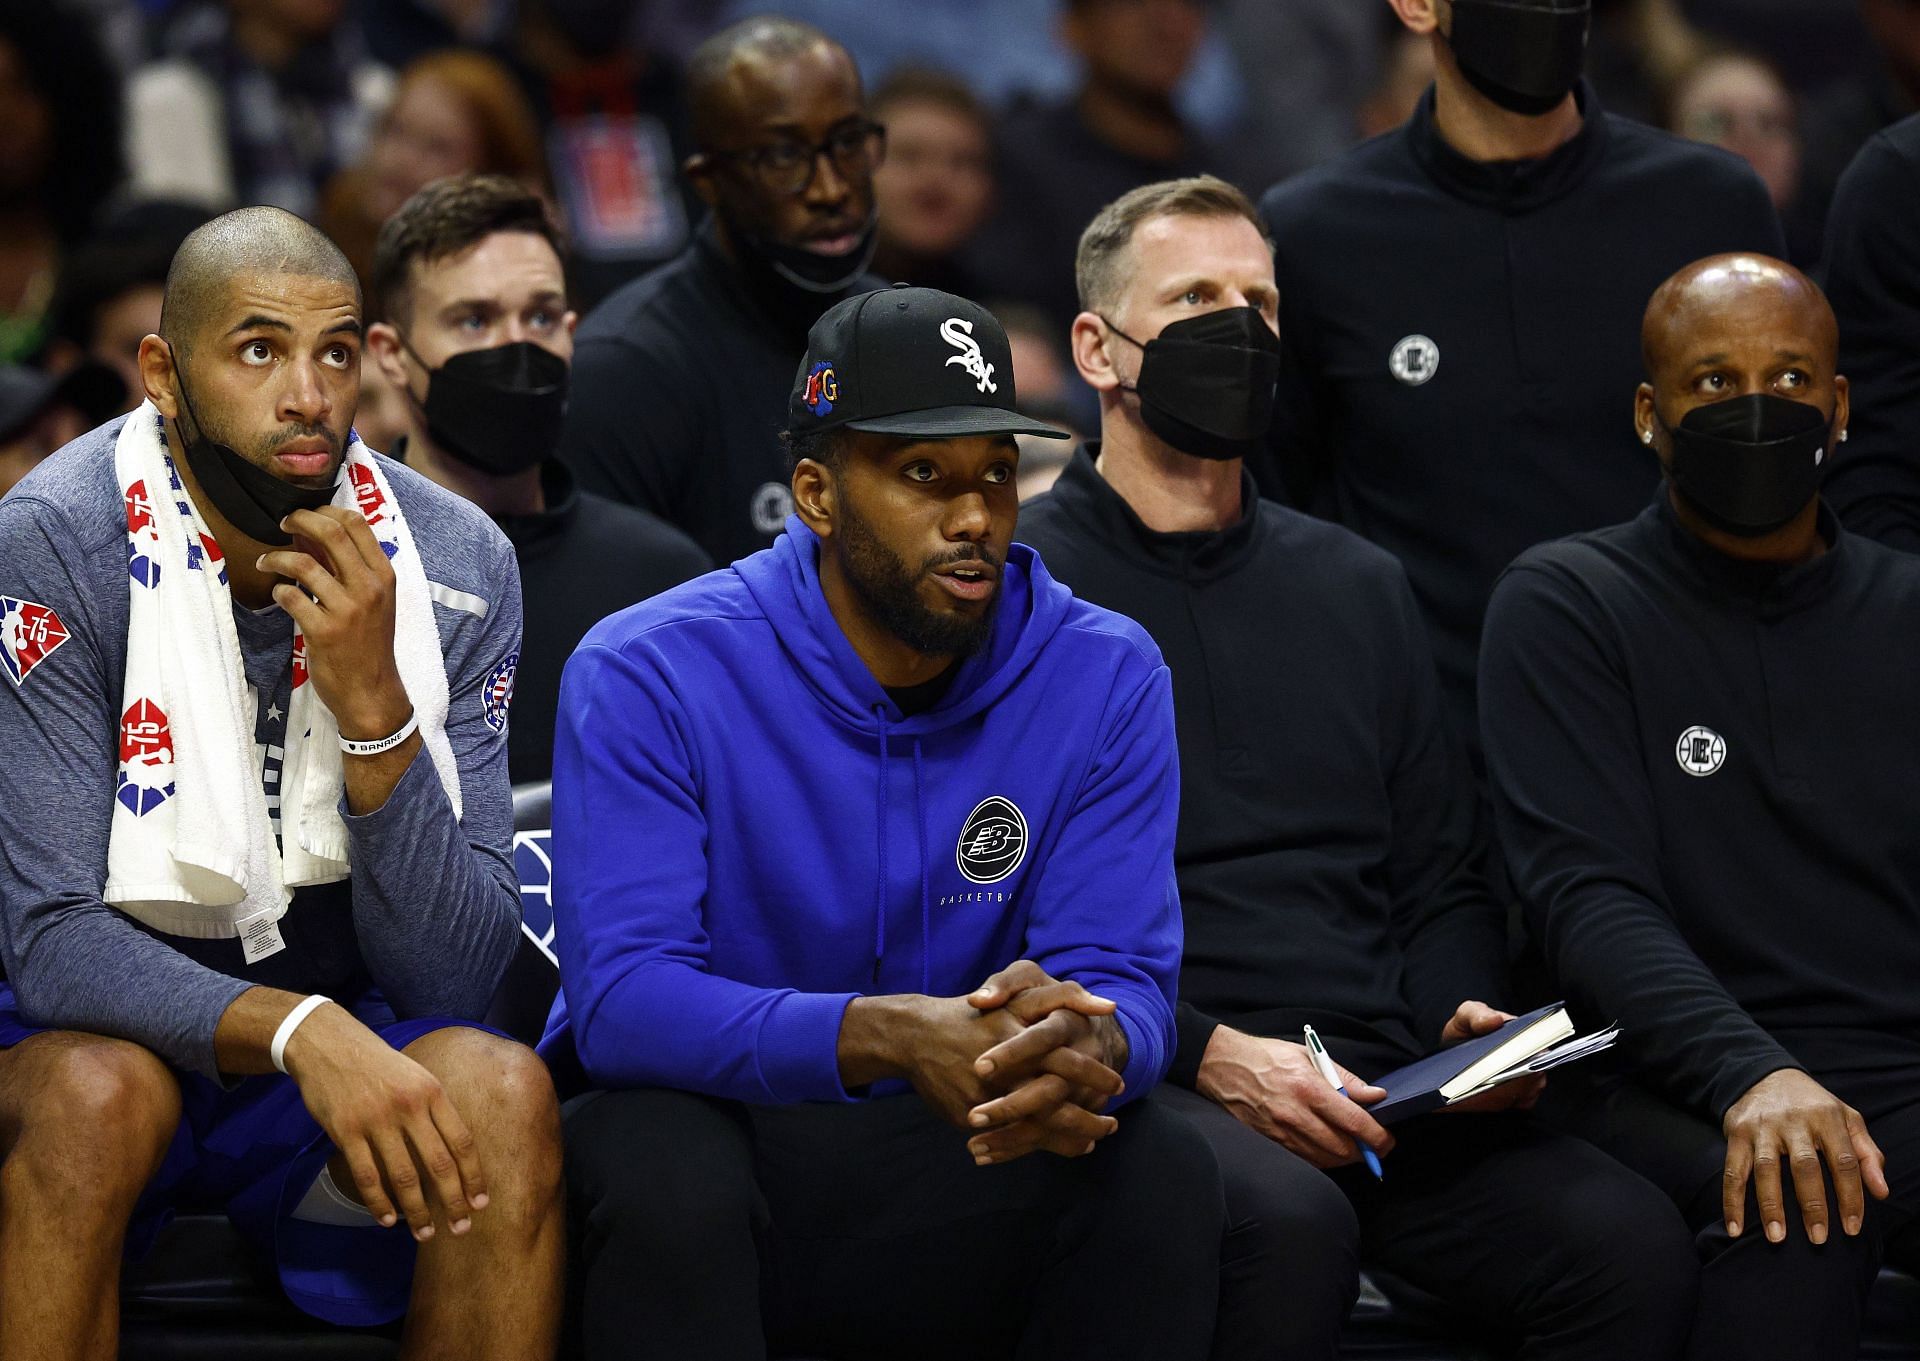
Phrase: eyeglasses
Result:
[787,167]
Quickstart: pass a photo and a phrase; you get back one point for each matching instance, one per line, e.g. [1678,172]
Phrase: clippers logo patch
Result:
[1700,751]
[993,841]
[1414,360]
[823,389]
[29,634]
[497,693]
[146,758]
[959,334]
[771,505]
[143,537]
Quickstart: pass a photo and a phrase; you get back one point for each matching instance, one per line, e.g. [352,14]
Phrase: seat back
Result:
[526,992]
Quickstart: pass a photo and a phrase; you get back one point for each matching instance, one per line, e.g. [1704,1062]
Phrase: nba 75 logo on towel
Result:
[29,634]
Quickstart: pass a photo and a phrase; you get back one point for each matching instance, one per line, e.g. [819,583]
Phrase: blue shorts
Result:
[253,1151]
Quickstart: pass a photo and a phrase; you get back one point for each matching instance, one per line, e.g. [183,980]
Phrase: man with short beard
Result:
[868,837]
[680,378]
[256,889]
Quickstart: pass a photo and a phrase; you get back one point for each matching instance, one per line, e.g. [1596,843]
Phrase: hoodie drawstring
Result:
[880,827]
[926,913]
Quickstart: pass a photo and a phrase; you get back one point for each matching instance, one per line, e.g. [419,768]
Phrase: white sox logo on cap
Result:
[959,334]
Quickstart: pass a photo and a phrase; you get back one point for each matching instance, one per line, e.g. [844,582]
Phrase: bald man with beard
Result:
[1702,743]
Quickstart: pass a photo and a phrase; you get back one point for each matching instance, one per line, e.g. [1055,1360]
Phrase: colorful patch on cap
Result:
[497,693]
[29,634]
[823,388]
[143,537]
[146,758]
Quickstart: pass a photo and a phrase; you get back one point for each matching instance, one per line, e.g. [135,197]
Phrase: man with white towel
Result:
[256,818]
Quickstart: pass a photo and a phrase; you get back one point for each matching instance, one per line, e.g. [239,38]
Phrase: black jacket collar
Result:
[1198,555]
[1510,186]
[1771,588]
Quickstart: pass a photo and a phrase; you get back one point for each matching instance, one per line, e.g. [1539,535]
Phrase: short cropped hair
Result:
[929,85]
[445,218]
[1097,264]
[826,447]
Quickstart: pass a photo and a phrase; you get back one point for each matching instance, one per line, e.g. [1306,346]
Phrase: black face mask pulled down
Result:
[252,499]
[1206,383]
[810,271]
[1524,55]
[1750,464]
[498,410]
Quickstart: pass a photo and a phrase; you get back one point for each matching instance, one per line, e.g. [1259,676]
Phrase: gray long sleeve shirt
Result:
[430,914]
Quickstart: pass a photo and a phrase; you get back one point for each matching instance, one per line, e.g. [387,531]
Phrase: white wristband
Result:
[378,745]
[277,1051]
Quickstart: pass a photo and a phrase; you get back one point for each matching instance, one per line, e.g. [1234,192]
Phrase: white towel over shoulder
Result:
[192,849]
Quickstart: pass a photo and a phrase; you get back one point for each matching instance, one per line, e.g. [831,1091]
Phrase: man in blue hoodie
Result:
[880,812]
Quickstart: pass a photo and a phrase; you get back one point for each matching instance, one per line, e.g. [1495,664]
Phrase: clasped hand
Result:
[1026,1062]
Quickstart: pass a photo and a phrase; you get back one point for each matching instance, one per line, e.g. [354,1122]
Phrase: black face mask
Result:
[1750,464]
[810,271]
[499,410]
[1206,383]
[252,499]
[1524,55]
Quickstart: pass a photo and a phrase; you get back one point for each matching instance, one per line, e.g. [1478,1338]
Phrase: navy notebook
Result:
[1523,1046]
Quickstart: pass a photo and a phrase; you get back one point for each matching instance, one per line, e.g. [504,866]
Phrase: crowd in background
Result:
[125,123]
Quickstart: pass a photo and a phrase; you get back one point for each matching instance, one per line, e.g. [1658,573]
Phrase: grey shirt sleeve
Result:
[73,962]
[436,903]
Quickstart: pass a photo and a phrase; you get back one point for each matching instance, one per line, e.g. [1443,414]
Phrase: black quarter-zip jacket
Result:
[1327,853]
[1462,343]
[680,386]
[1704,774]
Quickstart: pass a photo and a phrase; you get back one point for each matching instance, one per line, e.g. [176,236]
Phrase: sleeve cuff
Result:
[1194,1031]
[799,1050]
[401,807]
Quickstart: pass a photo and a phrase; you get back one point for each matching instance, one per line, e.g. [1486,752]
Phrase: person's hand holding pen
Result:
[1275,1088]
[1324,1062]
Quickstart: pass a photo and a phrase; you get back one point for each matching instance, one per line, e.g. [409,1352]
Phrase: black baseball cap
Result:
[912,362]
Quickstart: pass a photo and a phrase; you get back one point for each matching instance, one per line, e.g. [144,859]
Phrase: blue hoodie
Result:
[748,834]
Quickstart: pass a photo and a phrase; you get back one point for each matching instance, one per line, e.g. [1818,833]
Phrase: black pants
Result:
[704,1228]
[1758,1300]
[1539,1234]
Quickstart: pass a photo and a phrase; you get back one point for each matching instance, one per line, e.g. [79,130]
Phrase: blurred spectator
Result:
[1061,163]
[1812,42]
[254,101]
[60,120]
[616,119]
[1406,70]
[1638,48]
[39,413]
[1007,49]
[935,187]
[1736,100]
[1048,390]
[1837,123]
[475,333]
[400,32]
[110,290]
[681,378]
[1460,311]
[452,112]
[1307,65]
[1873,280]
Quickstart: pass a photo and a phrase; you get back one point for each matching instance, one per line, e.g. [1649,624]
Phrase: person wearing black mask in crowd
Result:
[1329,846]
[475,331]
[1461,299]
[1701,744]
[681,379]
